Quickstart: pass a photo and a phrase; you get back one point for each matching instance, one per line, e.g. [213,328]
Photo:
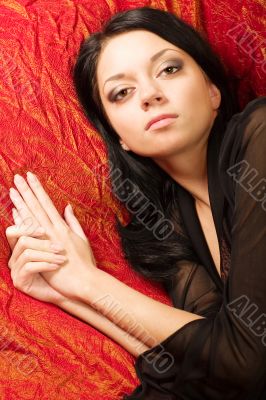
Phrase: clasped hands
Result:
[51,256]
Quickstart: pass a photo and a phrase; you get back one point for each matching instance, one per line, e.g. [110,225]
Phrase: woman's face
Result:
[141,77]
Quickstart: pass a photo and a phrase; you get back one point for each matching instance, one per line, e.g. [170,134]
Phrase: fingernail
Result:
[56,247]
[54,266]
[13,193]
[40,230]
[59,259]
[14,215]
[31,177]
[18,179]
[70,207]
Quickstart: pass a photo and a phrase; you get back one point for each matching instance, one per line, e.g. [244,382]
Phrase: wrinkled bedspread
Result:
[45,353]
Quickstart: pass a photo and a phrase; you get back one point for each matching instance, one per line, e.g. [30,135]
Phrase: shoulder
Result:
[252,119]
[255,112]
[243,144]
[250,122]
[255,106]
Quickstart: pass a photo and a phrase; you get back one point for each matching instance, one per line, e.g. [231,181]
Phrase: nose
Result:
[151,95]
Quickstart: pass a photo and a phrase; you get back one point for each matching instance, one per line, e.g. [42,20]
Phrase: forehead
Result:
[128,49]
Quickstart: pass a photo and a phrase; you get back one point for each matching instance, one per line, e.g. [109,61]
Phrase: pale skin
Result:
[179,148]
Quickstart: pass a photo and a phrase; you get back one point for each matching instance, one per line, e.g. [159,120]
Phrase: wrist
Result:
[89,289]
[60,300]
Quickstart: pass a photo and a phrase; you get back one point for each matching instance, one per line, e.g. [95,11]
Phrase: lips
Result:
[159,118]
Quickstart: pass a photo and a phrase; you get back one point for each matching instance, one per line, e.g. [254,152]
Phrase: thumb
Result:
[73,222]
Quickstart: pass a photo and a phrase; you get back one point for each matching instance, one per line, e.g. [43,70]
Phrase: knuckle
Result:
[22,241]
[13,275]
[27,267]
[27,220]
[16,281]
[61,233]
[27,254]
[65,229]
[16,284]
[9,231]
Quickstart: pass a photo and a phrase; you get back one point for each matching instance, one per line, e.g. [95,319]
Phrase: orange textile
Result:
[46,353]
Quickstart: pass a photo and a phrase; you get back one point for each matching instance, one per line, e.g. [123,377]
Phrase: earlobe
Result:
[124,146]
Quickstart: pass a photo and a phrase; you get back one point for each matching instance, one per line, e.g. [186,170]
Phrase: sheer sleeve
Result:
[193,290]
[223,356]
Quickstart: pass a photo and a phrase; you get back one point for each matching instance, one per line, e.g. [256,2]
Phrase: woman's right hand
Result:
[80,268]
[31,257]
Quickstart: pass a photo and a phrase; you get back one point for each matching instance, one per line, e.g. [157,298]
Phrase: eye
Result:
[119,95]
[171,69]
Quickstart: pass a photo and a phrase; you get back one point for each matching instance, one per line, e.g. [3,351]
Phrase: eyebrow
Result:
[152,59]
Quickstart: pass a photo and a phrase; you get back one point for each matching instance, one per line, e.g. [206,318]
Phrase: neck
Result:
[189,169]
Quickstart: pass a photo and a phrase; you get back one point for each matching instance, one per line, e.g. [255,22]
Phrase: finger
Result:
[25,240]
[28,218]
[30,255]
[25,243]
[73,222]
[14,232]
[37,267]
[24,226]
[20,278]
[23,222]
[43,198]
[24,229]
[16,217]
[25,215]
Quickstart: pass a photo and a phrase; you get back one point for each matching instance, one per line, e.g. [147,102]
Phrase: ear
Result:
[123,145]
[215,96]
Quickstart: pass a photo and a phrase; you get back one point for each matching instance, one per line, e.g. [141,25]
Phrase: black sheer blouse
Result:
[222,356]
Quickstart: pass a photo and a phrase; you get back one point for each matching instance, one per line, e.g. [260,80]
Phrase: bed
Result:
[46,353]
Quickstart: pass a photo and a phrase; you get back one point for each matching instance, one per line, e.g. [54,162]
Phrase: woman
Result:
[159,97]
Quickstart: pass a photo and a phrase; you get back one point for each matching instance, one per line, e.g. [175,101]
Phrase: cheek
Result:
[120,122]
[194,100]
[125,115]
[192,90]
[126,125]
[195,107]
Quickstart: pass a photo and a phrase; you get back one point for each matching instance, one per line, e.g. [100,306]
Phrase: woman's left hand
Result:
[34,204]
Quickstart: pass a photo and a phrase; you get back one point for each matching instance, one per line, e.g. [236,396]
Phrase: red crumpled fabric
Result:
[46,353]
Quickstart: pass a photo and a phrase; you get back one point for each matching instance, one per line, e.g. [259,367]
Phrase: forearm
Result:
[148,320]
[103,324]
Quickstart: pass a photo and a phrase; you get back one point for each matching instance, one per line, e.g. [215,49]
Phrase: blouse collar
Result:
[188,209]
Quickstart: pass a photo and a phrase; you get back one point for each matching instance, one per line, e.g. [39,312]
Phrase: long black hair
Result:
[154,240]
